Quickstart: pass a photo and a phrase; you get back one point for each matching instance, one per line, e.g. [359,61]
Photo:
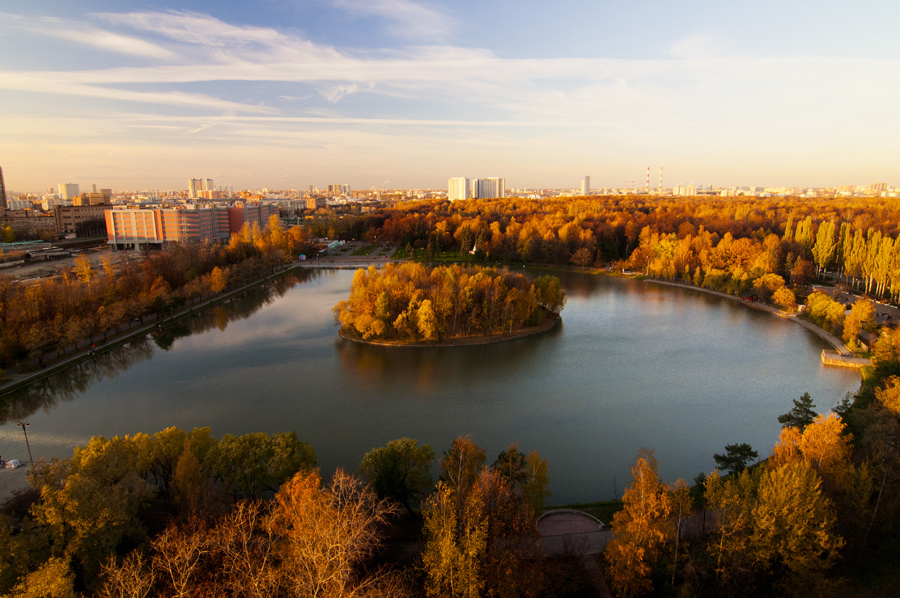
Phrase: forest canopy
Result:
[413,302]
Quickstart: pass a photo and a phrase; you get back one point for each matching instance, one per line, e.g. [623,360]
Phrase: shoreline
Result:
[466,341]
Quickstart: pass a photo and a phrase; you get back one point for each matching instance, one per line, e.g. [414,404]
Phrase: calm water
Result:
[632,365]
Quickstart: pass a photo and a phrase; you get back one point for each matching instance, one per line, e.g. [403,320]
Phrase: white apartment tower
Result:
[198,188]
[586,186]
[490,187]
[458,188]
[68,190]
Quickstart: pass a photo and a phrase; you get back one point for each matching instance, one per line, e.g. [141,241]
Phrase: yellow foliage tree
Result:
[889,396]
[640,531]
[786,449]
[456,544]
[825,446]
[326,533]
[793,524]
[729,503]
[426,321]
[218,280]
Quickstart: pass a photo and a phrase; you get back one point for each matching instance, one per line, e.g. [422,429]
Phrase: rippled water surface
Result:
[633,365]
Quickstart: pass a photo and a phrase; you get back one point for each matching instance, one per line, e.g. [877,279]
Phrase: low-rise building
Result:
[28,222]
[137,228]
[82,221]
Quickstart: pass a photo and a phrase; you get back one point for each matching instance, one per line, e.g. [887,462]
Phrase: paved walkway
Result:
[573,534]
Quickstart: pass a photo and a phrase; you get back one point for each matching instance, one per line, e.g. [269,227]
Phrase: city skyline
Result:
[285,94]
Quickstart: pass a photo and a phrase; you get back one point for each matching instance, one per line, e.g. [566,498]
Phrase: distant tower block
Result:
[660,190]
[647,188]
[586,186]
[3,201]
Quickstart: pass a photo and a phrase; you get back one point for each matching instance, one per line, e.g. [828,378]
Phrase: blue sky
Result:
[402,93]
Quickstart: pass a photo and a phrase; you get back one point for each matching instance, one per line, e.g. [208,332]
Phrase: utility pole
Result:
[25,425]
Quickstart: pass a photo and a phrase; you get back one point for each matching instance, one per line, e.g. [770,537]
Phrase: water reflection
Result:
[67,385]
[427,369]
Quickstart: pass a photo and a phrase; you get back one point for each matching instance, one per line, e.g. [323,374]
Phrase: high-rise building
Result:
[458,188]
[201,188]
[68,190]
[2,191]
[194,188]
[586,186]
[489,187]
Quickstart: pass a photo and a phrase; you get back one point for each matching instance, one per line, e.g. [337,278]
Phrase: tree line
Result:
[417,302]
[727,244]
[602,229]
[52,314]
[181,514]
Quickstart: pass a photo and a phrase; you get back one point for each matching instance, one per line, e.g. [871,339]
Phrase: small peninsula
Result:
[414,304]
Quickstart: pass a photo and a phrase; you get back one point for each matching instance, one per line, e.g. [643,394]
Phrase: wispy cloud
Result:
[87,35]
[224,42]
[405,18]
[60,84]
[337,93]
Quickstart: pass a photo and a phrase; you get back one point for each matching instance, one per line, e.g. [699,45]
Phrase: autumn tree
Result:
[729,502]
[785,298]
[256,463]
[536,487]
[681,508]
[527,474]
[178,558]
[218,280]
[247,546]
[794,525]
[128,577]
[481,544]
[54,579]
[640,531]
[90,503]
[399,471]
[479,525]
[456,539]
[827,449]
[460,465]
[327,533]
[860,316]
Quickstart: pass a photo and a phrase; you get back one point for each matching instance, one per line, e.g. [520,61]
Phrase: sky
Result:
[283,94]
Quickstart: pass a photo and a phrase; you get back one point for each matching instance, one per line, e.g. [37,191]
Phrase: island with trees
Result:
[415,304]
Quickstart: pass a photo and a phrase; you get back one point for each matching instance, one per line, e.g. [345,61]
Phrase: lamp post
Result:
[24,426]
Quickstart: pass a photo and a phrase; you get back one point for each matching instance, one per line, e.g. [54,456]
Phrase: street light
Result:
[25,425]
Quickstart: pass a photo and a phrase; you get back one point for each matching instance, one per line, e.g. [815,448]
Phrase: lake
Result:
[631,365]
